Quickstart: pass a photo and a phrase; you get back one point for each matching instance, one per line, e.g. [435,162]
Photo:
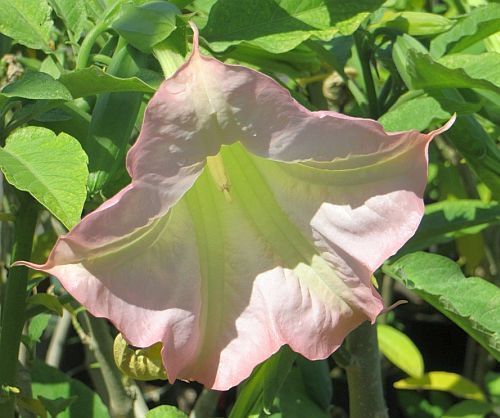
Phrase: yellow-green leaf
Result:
[400,350]
[443,381]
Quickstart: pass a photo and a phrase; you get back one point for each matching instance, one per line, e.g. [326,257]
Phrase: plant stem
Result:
[364,59]
[101,345]
[364,377]
[88,43]
[206,404]
[14,301]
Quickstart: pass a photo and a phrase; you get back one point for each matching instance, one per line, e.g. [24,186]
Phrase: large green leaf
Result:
[73,13]
[93,80]
[280,25]
[400,350]
[37,86]
[420,71]
[51,168]
[51,383]
[27,22]
[450,219]
[294,401]
[479,67]
[261,387]
[475,26]
[146,25]
[472,303]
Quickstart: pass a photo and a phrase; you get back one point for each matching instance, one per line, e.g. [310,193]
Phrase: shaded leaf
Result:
[53,169]
[293,400]
[51,383]
[468,409]
[50,302]
[93,80]
[58,405]
[440,282]
[260,389]
[400,350]
[146,25]
[450,219]
[280,25]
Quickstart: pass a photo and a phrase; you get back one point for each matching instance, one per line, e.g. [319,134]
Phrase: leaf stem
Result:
[364,59]
[14,300]
[364,377]
[88,43]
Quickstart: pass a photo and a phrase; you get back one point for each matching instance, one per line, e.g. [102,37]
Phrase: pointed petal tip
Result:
[196,38]
[443,128]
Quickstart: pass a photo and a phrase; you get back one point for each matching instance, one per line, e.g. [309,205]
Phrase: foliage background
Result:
[76,76]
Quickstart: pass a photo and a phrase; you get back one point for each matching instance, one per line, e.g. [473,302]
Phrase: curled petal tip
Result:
[444,128]
[196,36]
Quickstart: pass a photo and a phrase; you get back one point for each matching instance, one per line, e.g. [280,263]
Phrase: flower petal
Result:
[250,223]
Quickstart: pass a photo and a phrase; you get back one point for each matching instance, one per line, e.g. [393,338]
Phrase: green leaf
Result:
[37,326]
[400,350]
[477,25]
[53,169]
[165,411]
[420,71]
[37,86]
[73,13]
[492,385]
[56,406]
[449,219]
[90,81]
[260,389]
[280,25]
[472,303]
[402,117]
[294,401]
[146,25]
[317,381]
[479,149]
[468,409]
[28,22]
[414,23]
[433,107]
[48,301]
[53,384]
[443,381]
[480,66]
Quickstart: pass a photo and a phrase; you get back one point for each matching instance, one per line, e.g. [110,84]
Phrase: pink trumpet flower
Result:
[250,223]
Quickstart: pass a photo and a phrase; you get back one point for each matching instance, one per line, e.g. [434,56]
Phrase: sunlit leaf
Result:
[400,350]
[439,281]
[443,381]
[51,168]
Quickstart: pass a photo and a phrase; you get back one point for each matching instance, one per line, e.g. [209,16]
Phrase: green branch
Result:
[14,300]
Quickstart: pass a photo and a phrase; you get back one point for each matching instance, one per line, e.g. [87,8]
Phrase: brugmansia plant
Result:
[246,210]
[250,223]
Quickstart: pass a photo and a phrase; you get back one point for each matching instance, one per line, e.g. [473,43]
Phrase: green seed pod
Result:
[139,364]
